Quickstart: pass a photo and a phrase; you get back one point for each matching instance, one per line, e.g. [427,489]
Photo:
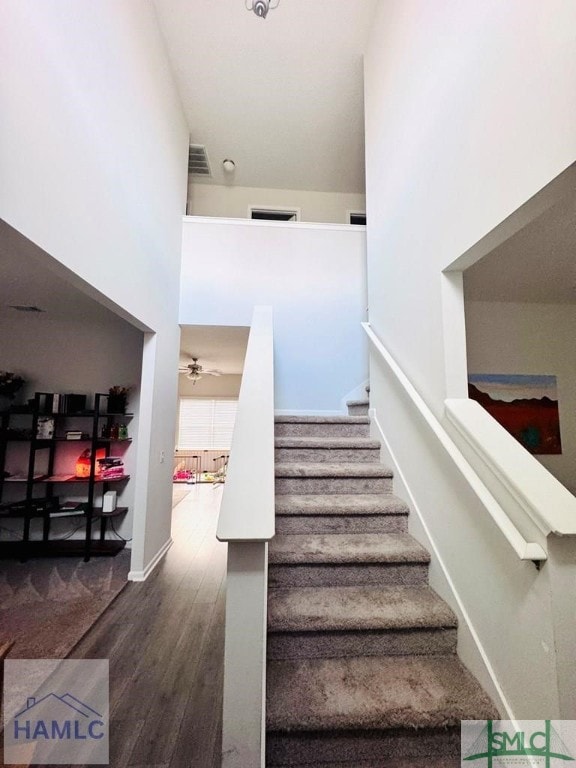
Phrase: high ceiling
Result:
[281,96]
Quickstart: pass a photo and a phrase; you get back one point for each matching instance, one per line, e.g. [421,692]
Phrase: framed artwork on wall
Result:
[525,405]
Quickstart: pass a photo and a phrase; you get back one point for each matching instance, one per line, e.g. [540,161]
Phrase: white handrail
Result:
[525,550]
[541,496]
[247,509]
[246,522]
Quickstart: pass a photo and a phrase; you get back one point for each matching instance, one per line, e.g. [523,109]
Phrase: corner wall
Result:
[93,151]
[464,123]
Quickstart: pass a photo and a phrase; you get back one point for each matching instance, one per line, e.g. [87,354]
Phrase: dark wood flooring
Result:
[165,641]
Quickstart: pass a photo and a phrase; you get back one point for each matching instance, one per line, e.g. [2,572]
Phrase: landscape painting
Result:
[526,406]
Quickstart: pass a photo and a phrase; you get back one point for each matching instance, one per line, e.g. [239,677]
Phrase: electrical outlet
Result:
[162,457]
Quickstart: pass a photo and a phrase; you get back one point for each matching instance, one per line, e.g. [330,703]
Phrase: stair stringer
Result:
[470,648]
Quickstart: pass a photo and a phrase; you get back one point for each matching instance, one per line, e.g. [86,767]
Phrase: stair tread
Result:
[351,403]
[326,442]
[314,609]
[338,548]
[322,419]
[372,693]
[399,762]
[331,469]
[340,504]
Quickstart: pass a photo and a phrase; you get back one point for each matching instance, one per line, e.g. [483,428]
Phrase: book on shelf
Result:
[69,509]
[55,402]
[23,478]
[74,434]
[68,506]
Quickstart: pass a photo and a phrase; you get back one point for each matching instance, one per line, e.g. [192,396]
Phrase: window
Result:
[205,424]
[274,214]
[356,218]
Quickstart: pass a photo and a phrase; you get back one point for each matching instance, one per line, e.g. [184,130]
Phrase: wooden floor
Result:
[165,641]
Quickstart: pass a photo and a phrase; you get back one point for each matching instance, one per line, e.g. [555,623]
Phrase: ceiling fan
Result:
[194,371]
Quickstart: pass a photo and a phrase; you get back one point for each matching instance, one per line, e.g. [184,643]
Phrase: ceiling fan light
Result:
[261,7]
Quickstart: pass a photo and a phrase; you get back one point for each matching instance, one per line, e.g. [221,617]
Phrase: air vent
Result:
[26,308]
[198,163]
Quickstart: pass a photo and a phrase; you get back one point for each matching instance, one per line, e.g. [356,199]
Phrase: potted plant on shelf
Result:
[117,399]
[10,383]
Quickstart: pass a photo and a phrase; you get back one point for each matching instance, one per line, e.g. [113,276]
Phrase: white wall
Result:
[458,111]
[93,150]
[312,275]
[233,202]
[82,356]
[506,337]
[460,115]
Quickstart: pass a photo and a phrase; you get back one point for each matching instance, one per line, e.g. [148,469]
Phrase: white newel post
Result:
[244,712]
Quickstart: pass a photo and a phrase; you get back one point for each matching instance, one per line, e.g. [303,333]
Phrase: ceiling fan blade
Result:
[213,373]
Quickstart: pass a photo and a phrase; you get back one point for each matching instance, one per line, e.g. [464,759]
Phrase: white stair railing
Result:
[524,548]
[247,523]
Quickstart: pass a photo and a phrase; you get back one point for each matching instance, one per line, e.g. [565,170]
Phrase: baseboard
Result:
[465,626]
[281,412]
[143,575]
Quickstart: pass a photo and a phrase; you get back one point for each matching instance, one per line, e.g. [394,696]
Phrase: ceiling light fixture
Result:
[261,7]
[229,165]
[194,371]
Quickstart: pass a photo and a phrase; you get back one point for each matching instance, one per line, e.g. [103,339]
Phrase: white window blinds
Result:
[205,424]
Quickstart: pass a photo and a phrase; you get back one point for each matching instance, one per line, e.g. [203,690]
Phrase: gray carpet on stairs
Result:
[333,477]
[411,762]
[316,748]
[332,470]
[339,504]
[340,513]
[373,693]
[362,668]
[346,548]
[315,609]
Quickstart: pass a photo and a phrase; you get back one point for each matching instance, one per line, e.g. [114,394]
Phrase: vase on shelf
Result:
[10,384]
[117,403]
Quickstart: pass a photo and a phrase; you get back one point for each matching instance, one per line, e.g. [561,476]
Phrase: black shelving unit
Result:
[42,491]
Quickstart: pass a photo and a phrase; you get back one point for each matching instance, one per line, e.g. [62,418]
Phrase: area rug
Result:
[47,605]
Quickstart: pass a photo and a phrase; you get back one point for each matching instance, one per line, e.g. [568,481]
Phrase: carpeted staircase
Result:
[362,667]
